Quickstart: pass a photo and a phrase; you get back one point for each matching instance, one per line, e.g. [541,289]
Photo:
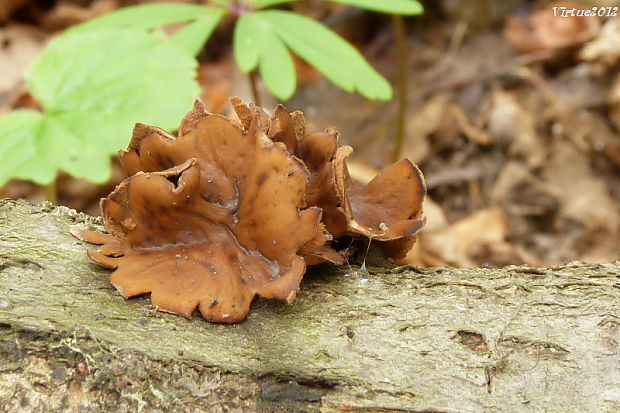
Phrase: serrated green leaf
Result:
[247,42]
[276,67]
[261,4]
[94,87]
[405,7]
[34,147]
[256,43]
[146,16]
[333,56]
[193,36]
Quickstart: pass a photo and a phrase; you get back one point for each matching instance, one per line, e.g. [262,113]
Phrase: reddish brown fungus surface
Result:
[225,211]
[388,209]
[213,231]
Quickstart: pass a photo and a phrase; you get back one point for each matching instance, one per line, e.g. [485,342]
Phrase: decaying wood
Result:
[394,339]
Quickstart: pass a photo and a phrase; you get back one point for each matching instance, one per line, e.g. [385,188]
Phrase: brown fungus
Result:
[226,223]
[388,209]
[225,211]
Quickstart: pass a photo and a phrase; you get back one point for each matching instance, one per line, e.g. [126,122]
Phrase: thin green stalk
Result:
[50,192]
[400,37]
[254,85]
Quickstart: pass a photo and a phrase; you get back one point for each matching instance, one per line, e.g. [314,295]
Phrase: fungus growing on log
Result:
[388,209]
[225,211]
[215,230]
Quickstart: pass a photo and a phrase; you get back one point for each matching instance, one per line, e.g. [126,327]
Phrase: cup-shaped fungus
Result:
[210,219]
[225,211]
[388,209]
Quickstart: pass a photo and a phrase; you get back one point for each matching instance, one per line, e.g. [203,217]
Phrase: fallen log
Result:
[390,339]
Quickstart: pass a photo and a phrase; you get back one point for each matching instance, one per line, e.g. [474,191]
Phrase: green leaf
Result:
[256,43]
[261,4]
[246,42]
[34,147]
[193,36]
[276,67]
[18,131]
[94,87]
[147,16]
[333,56]
[406,7]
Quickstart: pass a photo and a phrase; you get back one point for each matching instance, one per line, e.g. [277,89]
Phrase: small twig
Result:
[50,192]
[254,86]
[457,39]
[402,60]
[511,66]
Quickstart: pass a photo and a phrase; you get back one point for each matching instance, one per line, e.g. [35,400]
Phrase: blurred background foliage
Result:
[513,115]
[88,101]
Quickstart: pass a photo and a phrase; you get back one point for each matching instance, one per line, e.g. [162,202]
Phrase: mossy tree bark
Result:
[394,339]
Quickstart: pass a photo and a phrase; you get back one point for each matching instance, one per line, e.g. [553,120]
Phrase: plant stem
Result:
[50,192]
[254,86]
[400,37]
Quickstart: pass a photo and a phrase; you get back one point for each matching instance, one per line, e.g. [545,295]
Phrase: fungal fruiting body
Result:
[225,211]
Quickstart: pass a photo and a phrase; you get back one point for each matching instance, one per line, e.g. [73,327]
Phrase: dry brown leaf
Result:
[7,7]
[614,93]
[602,248]
[67,13]
[583,196]
[436,221]
[614,102]
[361,172]
[512,175]
[19,45]
[604,48]
[512,124]
[544,30]
[461,244]
[421,124]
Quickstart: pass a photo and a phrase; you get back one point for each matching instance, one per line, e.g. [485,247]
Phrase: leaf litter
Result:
[520,149]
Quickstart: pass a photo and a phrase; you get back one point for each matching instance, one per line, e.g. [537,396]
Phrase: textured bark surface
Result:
[394,339]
